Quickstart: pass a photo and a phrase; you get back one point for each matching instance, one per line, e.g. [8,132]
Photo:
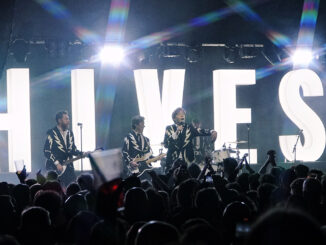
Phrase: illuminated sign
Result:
[302,115]
[17,121]
[158,111]
[226,114]
[158,114]
[83,111]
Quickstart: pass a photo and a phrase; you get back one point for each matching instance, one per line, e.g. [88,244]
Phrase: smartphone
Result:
[209,179]
[242,230]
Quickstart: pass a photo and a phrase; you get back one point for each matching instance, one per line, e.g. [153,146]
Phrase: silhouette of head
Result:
[73,205]
[49,200]
[284,227]
[85,181]
[186,193]
[156,232]
[201,234]
[136,204]
[301,171]
[73,188]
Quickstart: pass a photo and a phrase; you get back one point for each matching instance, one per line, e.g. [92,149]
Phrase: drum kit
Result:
[225,152]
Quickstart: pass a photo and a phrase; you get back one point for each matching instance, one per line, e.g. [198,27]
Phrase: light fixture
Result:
[302,57]
[20,50]
[230,54]
[112,54]
[192,54]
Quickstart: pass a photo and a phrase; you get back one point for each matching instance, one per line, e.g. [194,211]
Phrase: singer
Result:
[178,138]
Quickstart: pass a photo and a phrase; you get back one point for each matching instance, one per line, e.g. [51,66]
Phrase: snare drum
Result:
[219,155]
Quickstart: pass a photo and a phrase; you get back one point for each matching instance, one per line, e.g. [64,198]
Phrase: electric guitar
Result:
[68,161]
[144,164]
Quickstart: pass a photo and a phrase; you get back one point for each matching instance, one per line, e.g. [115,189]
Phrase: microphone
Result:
[79,124]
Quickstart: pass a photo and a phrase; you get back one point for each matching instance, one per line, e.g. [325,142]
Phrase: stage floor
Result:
[13,179]
[320,165]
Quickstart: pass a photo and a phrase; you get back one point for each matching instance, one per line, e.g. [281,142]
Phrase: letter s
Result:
[302,115]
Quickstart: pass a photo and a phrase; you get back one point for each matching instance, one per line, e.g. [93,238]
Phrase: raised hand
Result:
[59,167]
[180,128]
[134,164]
[22,175]
[213,135]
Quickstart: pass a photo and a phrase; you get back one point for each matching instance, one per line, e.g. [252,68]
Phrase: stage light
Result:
[230,54]
[112,54]
[302,57]
[20,50]
[192,55]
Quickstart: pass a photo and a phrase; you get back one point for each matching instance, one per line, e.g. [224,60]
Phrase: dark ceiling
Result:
[30,20]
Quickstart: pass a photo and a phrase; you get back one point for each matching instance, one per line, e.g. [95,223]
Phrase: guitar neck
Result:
[149,160]
[72,160]
[155,159]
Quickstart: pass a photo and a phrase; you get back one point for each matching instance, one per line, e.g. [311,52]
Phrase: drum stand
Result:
[238,155]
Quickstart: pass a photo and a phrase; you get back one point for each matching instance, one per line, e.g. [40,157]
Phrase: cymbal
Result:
[238,142]
[230,150]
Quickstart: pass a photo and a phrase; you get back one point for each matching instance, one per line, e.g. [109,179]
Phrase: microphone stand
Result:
[295,149]
[248,127]
[81,145]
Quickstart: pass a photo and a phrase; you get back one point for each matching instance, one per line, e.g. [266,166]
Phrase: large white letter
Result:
[302,115]
[83,111]
[17,120]
[158,115]
[226,114]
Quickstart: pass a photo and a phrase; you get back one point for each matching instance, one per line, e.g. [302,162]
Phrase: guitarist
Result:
[59,147]
[136,145]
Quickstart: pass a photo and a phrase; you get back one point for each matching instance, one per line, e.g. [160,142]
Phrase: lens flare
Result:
[112,54]
[302,57]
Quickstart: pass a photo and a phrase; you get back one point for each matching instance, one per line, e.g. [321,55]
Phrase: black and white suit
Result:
[135,145]
[58,149]
[179,144]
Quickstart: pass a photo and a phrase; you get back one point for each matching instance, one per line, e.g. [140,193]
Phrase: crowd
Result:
[185,206]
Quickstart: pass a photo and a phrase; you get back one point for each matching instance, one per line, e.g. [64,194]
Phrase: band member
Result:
[202,145]
[59,147]
[178,138]
[136,145]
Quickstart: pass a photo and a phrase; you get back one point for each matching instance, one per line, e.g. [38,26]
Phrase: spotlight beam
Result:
[60,12]
[117,20]
[303,54]
[278,39]
[308,23]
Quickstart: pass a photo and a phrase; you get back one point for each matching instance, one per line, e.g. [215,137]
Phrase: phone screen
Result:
[209,179]
[242,229]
